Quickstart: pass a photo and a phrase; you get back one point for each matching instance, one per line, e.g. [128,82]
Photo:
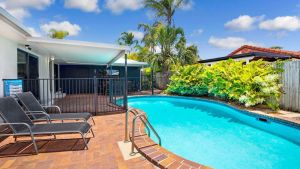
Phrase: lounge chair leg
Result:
[92,133]
[15,137]
[34,144]
[93,121]
[84,140]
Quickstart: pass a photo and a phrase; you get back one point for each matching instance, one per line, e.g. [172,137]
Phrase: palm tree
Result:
[150,35]
[165,8]
[190,55]
[168,37]
[186,55]
[58,34]
[127,38]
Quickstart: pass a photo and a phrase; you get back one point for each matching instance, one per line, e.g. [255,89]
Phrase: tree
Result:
[150,35]
[276,47]
[186,55]
[168,37]
[165,8]
[127,38]
[190,55]
[165,44]
[58,34]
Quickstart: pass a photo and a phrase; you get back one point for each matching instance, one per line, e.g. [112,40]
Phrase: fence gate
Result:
[290,100]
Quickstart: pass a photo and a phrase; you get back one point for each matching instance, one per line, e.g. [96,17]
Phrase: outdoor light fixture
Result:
[28,47]
[52,58]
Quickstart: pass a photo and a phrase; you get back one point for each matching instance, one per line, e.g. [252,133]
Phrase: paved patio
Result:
[103,152]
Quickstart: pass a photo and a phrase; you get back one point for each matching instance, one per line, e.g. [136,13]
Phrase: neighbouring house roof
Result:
[250,54]
[248,49]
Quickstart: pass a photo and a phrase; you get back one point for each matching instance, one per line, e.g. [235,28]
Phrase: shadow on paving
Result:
[23,148]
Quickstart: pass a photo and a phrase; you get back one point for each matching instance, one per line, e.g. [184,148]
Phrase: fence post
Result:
[125,85]
[125,101]
[152,81]
[110,85]
[95,94]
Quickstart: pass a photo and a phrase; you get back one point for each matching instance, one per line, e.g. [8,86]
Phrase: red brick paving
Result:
[68,153]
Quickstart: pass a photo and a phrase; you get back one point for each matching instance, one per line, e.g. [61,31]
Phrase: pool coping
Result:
[158,155]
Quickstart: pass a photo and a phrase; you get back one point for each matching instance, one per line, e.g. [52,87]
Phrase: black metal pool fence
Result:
[96,95]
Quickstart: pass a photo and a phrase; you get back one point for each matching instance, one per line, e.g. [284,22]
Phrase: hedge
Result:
[255,83]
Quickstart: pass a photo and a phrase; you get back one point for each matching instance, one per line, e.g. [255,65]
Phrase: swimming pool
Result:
[220,136]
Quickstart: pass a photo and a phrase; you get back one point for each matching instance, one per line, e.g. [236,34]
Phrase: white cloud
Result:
[119,6]
[230,42]
[84,5]
[243,23]
[33,32]
[187,5]
[197,32]
[288,23]
[137,35]
[37,4]
[73,29]
[20,8]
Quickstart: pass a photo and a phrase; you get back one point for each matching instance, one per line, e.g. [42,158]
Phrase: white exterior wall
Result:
[45,74]
[8,61]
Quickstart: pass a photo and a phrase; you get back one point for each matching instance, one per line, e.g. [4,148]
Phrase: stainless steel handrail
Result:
[147,124]
[130,110]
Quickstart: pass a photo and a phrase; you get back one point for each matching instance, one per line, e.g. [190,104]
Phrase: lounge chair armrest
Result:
[53,106]
[32,113]
[15,124]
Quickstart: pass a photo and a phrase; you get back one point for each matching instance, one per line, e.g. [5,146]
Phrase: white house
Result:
[24,56]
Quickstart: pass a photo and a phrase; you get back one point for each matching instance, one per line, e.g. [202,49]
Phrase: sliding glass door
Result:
[28,71]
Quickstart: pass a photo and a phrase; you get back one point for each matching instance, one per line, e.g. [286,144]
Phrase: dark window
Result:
[28,66]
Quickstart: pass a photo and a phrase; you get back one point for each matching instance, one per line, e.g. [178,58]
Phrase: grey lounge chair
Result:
[31,104]
[21,125]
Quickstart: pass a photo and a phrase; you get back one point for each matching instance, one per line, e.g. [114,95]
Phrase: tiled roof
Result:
[248,49]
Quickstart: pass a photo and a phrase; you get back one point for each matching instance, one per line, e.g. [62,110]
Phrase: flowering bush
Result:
[255,83]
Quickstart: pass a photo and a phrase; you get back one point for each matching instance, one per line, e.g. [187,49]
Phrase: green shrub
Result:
[255,83]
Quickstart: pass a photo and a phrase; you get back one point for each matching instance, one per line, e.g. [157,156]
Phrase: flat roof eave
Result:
[78,43]
[71,51]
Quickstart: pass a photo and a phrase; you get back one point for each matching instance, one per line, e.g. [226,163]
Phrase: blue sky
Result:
[216,26]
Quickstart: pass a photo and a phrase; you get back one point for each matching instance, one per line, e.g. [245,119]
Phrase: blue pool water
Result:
[220,136]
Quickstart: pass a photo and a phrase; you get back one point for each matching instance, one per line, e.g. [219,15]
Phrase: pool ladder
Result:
[144,119]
